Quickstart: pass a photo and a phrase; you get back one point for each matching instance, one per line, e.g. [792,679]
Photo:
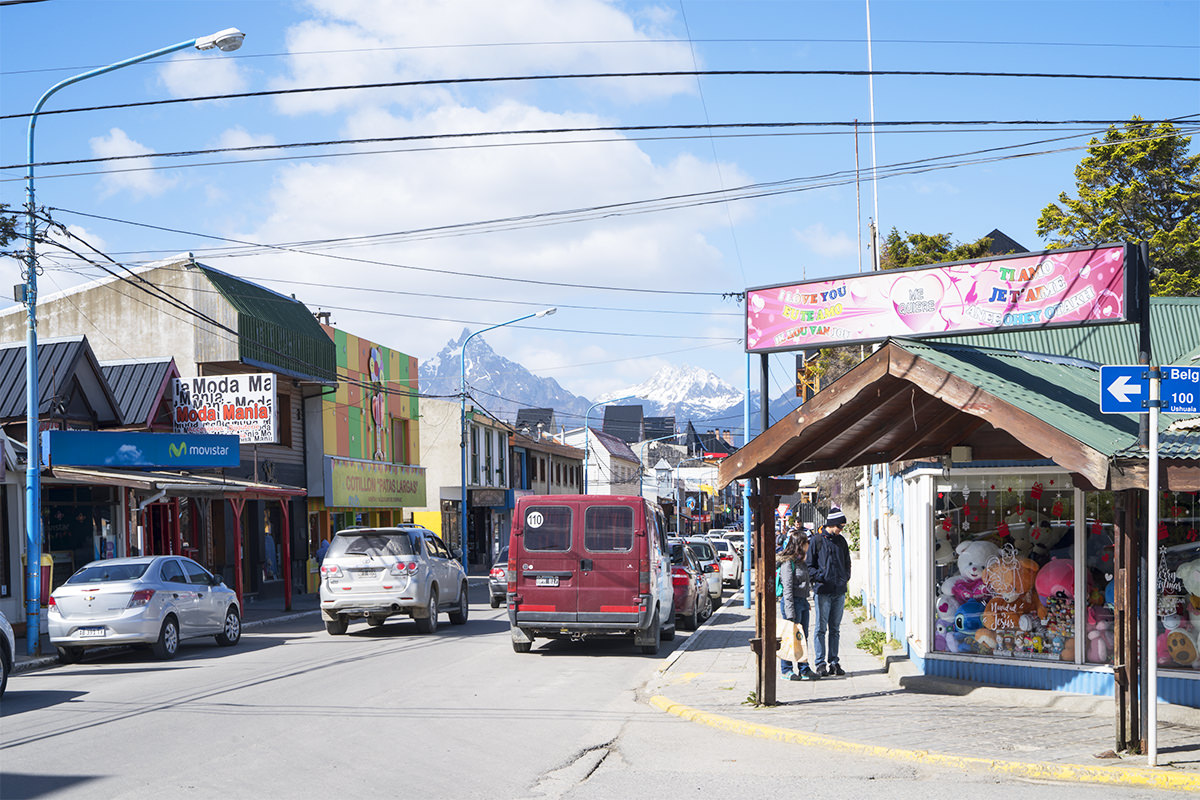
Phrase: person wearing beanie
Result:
[829,572]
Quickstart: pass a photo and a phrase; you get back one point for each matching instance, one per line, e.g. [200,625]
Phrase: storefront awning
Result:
[175,484]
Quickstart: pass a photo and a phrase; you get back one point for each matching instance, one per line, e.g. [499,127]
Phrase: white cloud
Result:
[828,245]
[190,74]
[423,39]
[239,137]
[145,182]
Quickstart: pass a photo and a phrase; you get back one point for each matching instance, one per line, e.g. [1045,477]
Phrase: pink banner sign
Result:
[1063,287]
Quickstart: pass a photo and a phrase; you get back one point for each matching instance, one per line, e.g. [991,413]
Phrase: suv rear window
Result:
[608,529]
[548,528]
[103,573]
[702,551]
[370,543]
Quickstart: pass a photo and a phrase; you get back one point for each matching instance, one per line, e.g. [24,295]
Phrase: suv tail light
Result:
[331,571]
[403,568]
[726,557]
[713,567]
[499,573]
[680,577]
[140,598]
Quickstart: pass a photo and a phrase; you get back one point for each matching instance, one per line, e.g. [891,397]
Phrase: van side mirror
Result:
[217,580]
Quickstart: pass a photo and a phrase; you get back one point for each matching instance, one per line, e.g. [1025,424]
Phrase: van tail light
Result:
[331,571]
[404,568]
[644,582]
[140,598]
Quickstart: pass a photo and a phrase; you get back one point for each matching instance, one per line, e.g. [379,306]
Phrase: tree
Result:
[918,249]
[1138,184]
[8,225]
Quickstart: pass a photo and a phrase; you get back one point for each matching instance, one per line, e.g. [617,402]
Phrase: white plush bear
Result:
[973,558]
[943,551]
[1189,576]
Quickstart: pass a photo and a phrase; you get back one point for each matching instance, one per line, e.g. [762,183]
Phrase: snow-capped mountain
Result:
[684,393]
[497,384]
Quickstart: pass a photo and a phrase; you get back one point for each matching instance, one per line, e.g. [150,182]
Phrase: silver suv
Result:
[376,573]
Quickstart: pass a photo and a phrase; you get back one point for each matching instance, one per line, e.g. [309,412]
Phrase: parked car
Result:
[154,600]
[730,560]
[8,652]
[692,603]
[737,539]
[377,573]
[498,579]
[709,563]
[589,565]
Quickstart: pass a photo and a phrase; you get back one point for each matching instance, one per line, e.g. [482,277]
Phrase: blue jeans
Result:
[802,609]
[829,618]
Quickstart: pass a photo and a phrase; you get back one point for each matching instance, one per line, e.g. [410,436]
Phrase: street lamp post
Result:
[587,433]
[229,39]
[462,416]
[642,465]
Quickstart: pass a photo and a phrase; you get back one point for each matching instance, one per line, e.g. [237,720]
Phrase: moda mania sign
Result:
[1037,290]
[354,483]
[241,405]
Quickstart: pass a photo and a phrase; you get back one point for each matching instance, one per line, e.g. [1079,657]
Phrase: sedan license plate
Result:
[547,580]
[91,631]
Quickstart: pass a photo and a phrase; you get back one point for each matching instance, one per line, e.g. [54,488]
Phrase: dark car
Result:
[498,579]
[693,604]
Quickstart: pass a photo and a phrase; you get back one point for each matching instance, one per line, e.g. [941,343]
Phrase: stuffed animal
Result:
[943,551]
[1099,636]
[969,617]
[962,589]
[1189,575]
[1177,645]
[985,641]
[1009,575]
[1046,538]
[946,606]
[973,558]
[1056,579]
[940,629]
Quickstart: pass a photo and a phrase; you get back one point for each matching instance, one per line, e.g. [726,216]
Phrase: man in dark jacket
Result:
[829,571]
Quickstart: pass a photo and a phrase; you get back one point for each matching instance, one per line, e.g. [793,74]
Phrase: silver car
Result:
[707,556]
[376,573]
[154,600]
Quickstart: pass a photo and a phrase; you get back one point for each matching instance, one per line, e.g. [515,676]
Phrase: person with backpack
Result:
[792,588]
[829,570]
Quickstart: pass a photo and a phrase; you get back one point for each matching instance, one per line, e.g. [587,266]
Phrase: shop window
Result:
[489,476]
[501,449]
[1178,640]
[283,418]
[5,566]
[400,441]
[474,477]
[1004,567]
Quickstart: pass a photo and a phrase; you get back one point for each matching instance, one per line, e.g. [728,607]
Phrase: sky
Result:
[642,239]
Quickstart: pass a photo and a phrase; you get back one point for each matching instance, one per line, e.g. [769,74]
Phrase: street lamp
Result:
[462,416]
[587,433]
[228,39]
[642,461]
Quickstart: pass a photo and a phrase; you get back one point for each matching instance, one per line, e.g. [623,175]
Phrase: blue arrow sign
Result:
[1124,389]
[1180,390]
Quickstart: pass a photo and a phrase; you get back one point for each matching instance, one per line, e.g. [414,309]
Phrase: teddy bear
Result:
[943,551]
[946,606]
[1010,575]
[972,558]
[1189,575]
[1177,645]
[1099,635]
[1046,538]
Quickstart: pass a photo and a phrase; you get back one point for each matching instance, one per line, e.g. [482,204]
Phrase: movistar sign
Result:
[139,450]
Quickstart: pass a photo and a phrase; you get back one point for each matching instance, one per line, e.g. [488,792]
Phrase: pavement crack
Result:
[575,770]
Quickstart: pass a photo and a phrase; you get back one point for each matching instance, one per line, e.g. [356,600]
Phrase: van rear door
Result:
[545,558]
[612,558]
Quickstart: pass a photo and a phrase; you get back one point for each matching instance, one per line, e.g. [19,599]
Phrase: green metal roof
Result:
[276,331]
[1174,336]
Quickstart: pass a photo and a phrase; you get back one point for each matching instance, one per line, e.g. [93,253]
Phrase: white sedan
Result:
[730,560]
[154,600]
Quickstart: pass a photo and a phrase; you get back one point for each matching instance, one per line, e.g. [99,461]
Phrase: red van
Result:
[589,565]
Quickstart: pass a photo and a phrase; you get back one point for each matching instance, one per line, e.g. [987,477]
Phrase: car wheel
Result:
[69,655]
[522,647]
[668,630]
[168,640]
[337,626]
[495,601]
[459,615]
[650,648]
[231,632]
[706,608]
[689,621]
[5,668]
[429,624]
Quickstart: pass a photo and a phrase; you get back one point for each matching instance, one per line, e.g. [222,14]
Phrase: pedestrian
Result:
[829,571]
[321,549]
[793,598]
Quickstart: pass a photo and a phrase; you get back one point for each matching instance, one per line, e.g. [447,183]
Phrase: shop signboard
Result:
[1055,288]
[242,405]
[141,450]
[1125,389]
[356,483]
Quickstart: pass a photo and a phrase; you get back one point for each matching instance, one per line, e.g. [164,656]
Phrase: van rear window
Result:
[608,529]
[548,528]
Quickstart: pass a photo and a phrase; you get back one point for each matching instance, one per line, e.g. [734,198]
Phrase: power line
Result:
[852,73]
[558,131]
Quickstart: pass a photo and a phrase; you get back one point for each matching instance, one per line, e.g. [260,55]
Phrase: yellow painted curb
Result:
[1112,776]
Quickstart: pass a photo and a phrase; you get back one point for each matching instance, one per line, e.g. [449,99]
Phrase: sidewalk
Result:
[899,715]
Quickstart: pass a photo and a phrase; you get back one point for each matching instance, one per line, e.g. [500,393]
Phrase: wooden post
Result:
[766,611]
[237,504]
[1126,602]
[286,542]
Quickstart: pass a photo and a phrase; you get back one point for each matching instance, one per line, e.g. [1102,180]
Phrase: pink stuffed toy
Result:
[1056,579]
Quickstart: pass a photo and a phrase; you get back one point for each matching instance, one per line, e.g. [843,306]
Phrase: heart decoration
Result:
[916,302]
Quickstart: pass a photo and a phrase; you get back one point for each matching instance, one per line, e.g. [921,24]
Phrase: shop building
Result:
[364,441]
[1003,515]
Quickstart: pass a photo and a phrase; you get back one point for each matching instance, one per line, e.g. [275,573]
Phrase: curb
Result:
[1111,776]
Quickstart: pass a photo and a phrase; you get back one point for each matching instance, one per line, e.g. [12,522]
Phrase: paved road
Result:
[295,713]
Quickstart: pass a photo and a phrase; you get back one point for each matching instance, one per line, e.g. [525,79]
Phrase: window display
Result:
[1178,643]
[1004,567]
